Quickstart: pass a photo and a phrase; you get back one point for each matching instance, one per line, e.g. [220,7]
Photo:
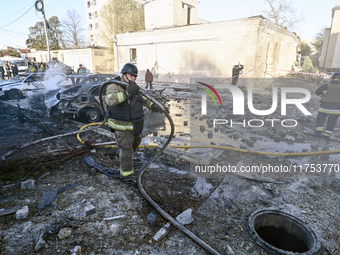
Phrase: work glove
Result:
[132,88]
[156,108]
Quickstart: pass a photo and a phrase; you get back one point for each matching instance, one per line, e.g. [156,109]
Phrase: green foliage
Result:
[37,40]
[11,52]
[120,16]
[304,49]
[308,66]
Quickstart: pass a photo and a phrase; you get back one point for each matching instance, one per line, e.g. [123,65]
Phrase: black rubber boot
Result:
[128,180]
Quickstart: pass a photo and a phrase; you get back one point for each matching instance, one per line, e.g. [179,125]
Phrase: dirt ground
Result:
[221,205]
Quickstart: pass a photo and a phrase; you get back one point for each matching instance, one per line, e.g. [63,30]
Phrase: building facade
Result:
[330,54]
[178,54]
[93,9]
[97,59]
[170,13]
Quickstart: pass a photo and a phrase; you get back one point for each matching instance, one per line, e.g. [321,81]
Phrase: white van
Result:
[21,64]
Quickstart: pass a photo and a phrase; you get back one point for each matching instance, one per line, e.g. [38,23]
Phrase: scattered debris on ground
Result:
[66,207]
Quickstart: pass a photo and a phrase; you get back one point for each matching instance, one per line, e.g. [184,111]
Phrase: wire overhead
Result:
[17,18]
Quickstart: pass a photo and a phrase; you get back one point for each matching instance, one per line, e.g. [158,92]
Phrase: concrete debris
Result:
[202,186]
[53,228]
[162,232]
[4,212]
[90,210]
[47,198]
[290,138]
[230,250]
[185,217]
[76,250]
[29,184]
[41,243]
[22,213]
[64,233]
[151,218]
[114,217]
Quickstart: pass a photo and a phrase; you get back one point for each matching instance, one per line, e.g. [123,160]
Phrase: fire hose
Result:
[139,178]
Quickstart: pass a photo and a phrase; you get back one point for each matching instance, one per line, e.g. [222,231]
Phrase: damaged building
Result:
[330,54]
[177,46]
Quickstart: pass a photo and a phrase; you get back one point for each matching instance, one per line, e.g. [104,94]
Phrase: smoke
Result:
[54,79]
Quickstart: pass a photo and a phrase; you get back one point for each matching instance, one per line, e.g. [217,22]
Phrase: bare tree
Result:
[282,13]
[318,40]
[73,29]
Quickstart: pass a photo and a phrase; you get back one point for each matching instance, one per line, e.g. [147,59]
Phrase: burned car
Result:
[21,85]
[79,100]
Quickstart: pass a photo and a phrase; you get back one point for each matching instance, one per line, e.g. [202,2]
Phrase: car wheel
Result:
[92,115]
[14,94]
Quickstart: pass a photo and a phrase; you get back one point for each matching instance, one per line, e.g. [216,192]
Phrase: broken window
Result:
[94,2]
[90,16]
[95,14]
[90,26]
[88,4]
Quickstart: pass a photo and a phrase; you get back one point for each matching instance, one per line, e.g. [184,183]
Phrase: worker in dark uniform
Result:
[329,106]
[237,68]
[2,72]
[126,118]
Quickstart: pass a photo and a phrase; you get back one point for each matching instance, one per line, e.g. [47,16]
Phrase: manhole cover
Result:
[282,233]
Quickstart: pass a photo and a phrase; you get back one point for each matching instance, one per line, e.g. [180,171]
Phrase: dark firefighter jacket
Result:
[123,112]
[237,69]
[330,101]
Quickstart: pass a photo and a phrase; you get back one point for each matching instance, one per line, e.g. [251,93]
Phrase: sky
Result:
[316,15]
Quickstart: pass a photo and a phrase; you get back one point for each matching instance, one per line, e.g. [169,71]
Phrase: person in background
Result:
[237,69]
[80,69]
[148,79]
[15,70]
[41,68]
[32,69]
[2,71]
[329,107]
[8,71]
[126,118]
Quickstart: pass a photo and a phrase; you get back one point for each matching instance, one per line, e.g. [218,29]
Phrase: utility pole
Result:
[39,6]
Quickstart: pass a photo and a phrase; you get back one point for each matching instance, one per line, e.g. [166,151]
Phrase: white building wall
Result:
[169,13]
[324,47]
[93,8]
[332,48]
[209,50]
[181,12]
[158,14]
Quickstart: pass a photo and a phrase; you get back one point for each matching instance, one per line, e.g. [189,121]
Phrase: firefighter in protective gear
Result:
[126,118]
[329,106]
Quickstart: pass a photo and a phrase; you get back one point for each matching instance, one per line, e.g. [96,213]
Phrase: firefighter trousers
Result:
[127,144]
[331,122]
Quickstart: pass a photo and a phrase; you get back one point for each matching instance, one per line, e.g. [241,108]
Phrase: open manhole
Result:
[282,233]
